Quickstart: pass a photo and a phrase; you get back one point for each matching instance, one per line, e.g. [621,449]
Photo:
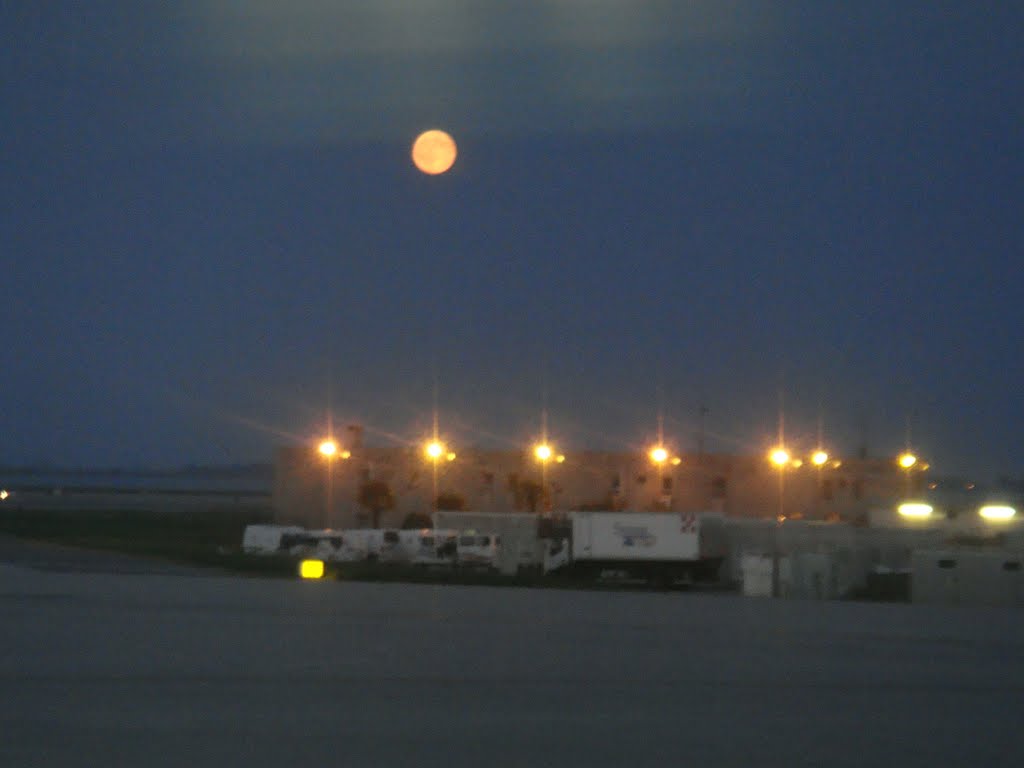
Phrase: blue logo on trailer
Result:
[635,535]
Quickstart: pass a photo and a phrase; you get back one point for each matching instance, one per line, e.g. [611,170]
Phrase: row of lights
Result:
[780,456]
[435,451]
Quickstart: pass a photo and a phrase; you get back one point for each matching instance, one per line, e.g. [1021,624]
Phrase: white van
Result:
[428,546]
[329,544]
[268,539]
[478,550]
[373,544]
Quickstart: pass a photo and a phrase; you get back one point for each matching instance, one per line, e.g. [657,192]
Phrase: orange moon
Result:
[434,152]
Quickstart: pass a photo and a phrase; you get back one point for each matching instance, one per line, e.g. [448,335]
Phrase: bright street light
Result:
[542,452]
[779,457]
[434,450]
[819,458]
[328,448]
[907,460]
[658,455]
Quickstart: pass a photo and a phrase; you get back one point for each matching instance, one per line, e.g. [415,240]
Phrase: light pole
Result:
[543,453]
[435,451]
[328,449]
[819,459]
[780,458]
[658,456]
[907,461]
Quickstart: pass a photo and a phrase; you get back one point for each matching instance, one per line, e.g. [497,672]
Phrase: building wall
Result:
[312,491]
[968,577]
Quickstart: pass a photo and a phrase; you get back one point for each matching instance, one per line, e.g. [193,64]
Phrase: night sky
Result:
[211,228]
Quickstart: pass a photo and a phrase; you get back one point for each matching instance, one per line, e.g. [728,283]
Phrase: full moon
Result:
[434,152]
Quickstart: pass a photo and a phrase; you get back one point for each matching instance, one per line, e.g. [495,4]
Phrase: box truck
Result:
[659,547]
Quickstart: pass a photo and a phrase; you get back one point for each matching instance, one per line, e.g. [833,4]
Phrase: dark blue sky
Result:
[209,212]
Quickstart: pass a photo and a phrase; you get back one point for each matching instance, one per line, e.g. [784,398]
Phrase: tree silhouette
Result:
[534,497]
[450,501]
[376,497]
[417,521]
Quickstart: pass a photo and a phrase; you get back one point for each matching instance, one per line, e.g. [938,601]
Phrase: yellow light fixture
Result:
[779,457]
[819,458]
[797,463]
[907,460]
[677,461]
[434,450]
[542,452]
[450,455]
[328,448]
[311,569]
[560,458]
[346,454]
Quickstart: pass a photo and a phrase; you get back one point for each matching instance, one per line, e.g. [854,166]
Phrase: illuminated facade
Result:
[315,491]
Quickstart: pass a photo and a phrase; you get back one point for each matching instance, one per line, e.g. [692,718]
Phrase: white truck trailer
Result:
[661,547]
[269,539]
[427,547]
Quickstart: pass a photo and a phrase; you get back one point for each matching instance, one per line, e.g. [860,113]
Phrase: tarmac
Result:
[109,660]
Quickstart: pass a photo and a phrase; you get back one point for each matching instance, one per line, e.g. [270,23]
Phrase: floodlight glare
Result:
[907,460]
[328,448]
[779,457]
[997,512]
[542,452]
[658,455]
[819,458]
[434,450]
[915,509]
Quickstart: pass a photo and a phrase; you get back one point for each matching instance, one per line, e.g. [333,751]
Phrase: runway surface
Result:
[106,661]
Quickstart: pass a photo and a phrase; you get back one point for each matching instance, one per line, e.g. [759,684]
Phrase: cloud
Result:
[316,70]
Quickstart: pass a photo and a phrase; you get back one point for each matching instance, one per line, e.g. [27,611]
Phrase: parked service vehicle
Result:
[428,547]
[477,550]
[268,539]
[329,544]
[663,547]
[374,544]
